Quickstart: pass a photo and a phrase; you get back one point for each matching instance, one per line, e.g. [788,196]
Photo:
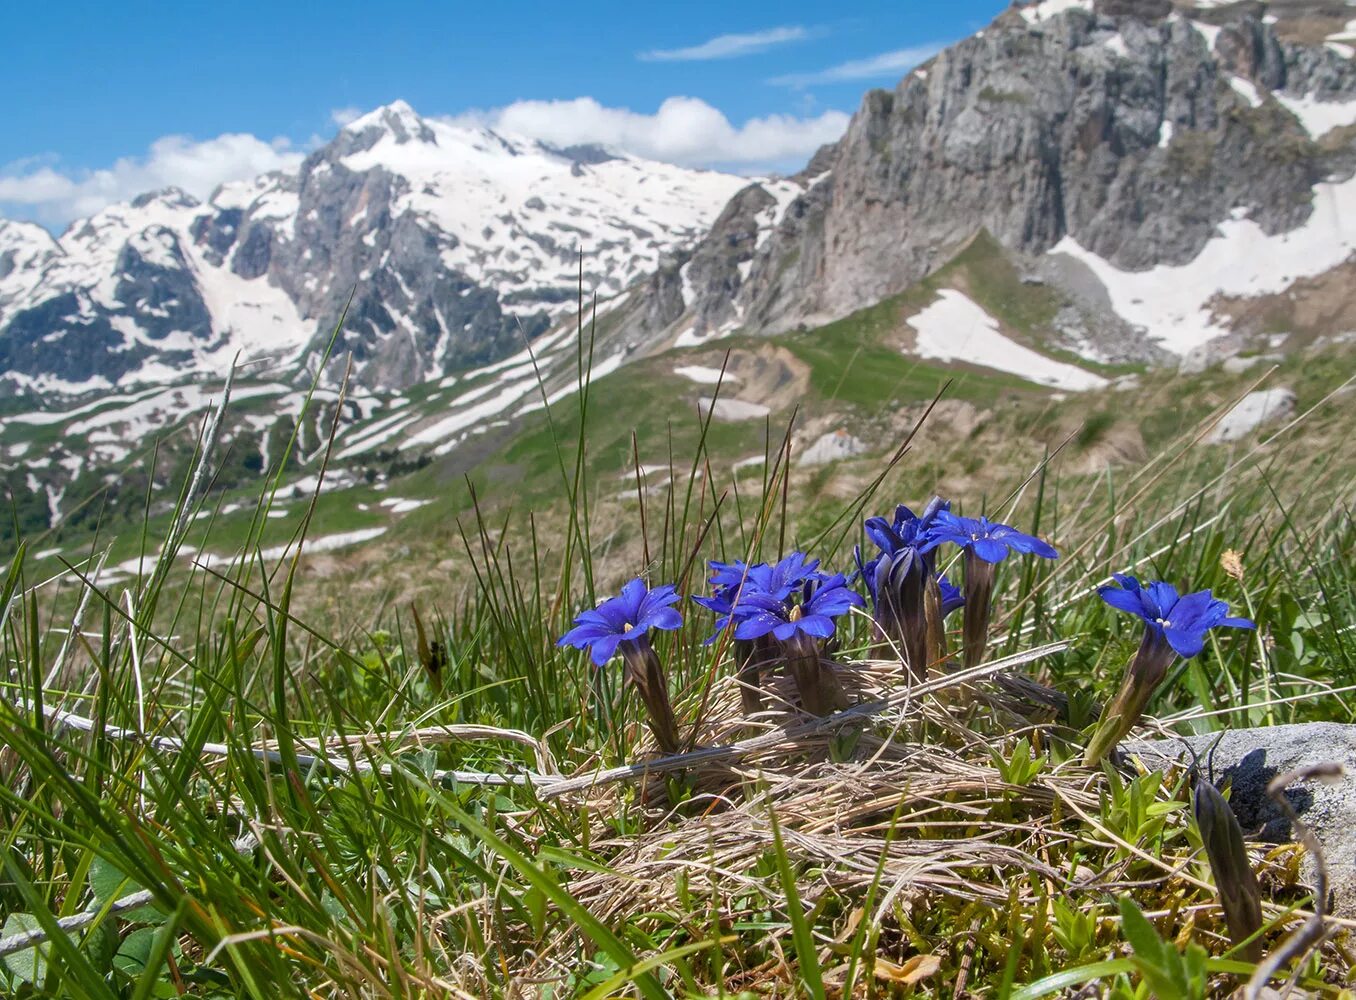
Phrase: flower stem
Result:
[646,675]
[820,692]
[978,596]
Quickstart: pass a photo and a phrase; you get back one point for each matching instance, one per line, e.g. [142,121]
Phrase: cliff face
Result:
[1128,126]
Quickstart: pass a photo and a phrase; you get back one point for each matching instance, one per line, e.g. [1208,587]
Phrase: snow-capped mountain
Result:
[457,243]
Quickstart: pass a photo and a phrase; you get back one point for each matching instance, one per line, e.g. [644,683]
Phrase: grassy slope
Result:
[438,886]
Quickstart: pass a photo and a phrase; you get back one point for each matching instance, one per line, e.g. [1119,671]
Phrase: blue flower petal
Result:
[664,618]
[1122,600]
[631,597]
[1185,642]
[1161,598]
[785,630]
[604,649]
[989,549]
[582,635]
[816,625]
[756,625]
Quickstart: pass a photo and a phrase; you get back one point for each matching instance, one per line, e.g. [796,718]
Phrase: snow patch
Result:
[399,505]
[1171,302]
[733,409]
[954,328]
[1319,117]
[1046,9]
[703,375]
[1247,89]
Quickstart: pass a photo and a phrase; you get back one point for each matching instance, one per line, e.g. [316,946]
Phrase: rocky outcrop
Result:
[1136,129]
[1249,759]
[1254,410]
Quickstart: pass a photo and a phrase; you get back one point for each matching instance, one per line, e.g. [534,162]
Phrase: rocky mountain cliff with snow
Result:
[1084,189]
[1171,168]
[457,243]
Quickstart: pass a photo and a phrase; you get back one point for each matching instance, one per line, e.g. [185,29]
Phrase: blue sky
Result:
[116,97]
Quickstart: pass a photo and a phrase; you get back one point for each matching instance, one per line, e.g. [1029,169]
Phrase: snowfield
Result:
[954,328]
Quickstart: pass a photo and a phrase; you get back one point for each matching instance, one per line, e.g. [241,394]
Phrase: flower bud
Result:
[1239,895]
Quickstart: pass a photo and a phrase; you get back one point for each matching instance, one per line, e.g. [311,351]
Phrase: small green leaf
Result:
[107,884]
[134,951]
[29,965]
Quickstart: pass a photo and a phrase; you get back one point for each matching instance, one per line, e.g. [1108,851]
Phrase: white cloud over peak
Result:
[729,46]
[346,115]
[887,64]
[684,130]
[54,195]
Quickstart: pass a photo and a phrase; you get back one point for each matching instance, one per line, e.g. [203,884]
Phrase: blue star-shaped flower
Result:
[1181,621]
[628,617]
[737,581]
[760,613]
[985,539]
[780,580]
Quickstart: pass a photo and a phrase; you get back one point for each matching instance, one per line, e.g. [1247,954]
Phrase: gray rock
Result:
[831,447]
[1239,364]
[1250,758]
[1253,411]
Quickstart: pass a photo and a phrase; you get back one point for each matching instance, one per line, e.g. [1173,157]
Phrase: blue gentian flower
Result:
[1182,622]
[760,613]
[626,618]
[780,580]
[952,598]
[1173,626]
[900,580]
[986,539]
[986,544]
[737,580]
[904,536]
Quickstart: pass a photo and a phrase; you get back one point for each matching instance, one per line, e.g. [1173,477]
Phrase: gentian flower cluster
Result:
[622,624]
[1173,626]
[909,599]
[985,544]
[781,613]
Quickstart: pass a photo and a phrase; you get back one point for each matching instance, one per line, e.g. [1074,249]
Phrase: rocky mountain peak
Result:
[171,197]
[396,122]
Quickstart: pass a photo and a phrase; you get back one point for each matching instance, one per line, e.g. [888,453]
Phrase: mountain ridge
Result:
[459,241]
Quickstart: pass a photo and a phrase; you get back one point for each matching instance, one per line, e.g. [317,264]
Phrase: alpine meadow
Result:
[564,551]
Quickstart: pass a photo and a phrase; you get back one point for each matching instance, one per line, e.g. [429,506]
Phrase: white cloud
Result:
[344,116]
[55,195]
[894,64]
[685,130]
[728,46]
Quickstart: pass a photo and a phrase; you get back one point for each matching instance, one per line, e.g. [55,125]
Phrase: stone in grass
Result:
[831,447]
[1250,758]
[1253,410]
